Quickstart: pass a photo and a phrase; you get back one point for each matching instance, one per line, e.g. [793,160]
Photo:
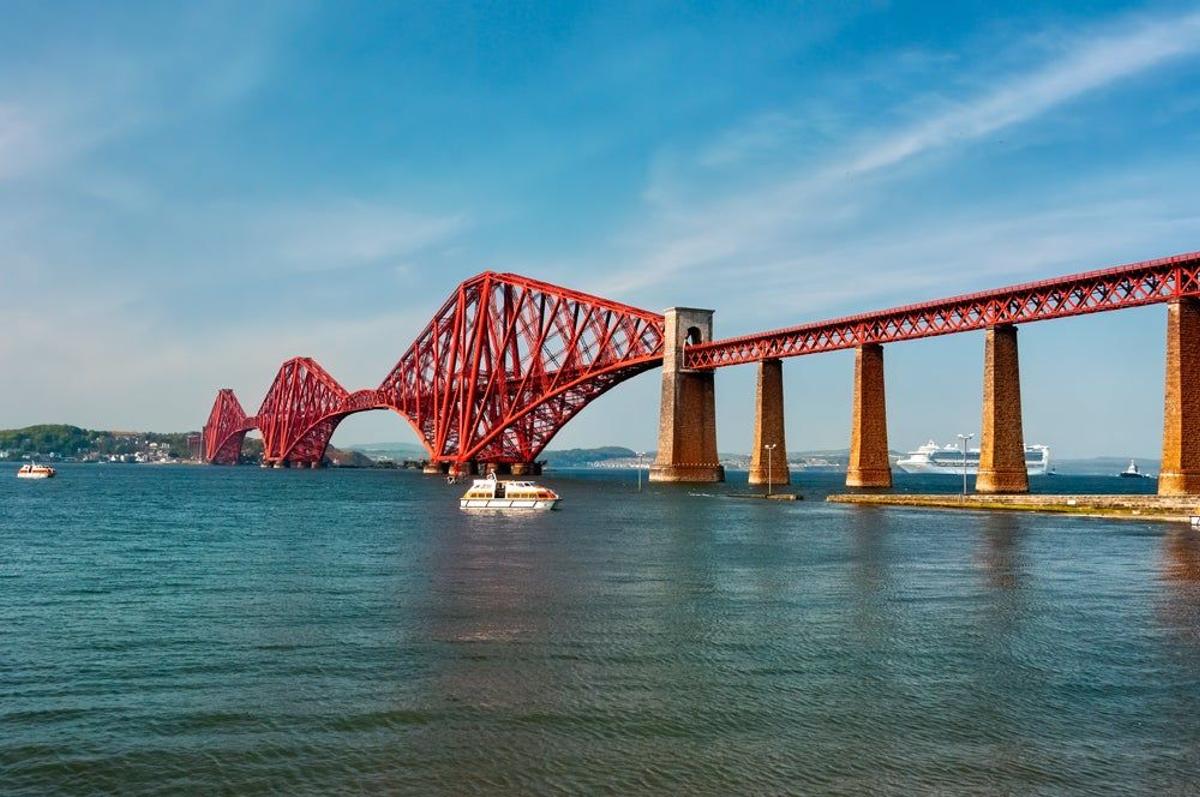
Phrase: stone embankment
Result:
[1153,507]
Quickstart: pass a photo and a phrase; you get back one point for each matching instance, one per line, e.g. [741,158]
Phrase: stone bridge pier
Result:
[768,457]
[869,465]
[687,421]
[1180,472]
[1001,440]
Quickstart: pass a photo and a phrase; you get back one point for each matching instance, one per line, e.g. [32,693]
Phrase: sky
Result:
[191,193]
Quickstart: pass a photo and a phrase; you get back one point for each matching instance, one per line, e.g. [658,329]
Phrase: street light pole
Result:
[964,438]
[770,448]
[640,454]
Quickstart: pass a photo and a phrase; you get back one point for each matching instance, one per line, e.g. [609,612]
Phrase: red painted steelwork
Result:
[503,365]
[226,428]
[1133,285]
[507,360]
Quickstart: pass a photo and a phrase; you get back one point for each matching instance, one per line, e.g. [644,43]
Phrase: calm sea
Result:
[231,630]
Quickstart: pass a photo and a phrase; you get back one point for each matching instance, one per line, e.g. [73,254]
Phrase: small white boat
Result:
[491,493]
[33,470]
[1132,472]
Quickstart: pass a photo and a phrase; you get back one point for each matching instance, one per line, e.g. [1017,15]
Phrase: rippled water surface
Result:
[175,629]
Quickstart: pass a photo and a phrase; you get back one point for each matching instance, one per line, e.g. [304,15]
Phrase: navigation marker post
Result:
[769,447]
[964,438]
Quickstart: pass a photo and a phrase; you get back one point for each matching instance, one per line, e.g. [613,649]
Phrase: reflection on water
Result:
[316,632]
[1180,601]
[1181,555]
[999,553]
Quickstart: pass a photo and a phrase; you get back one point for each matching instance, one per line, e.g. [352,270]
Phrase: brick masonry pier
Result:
[768,427]
[1180,472]
[1002,441]
[1154,507]
[687,420]
[869,465]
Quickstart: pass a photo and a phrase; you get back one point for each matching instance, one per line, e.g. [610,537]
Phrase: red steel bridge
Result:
[507,361]
[503,365]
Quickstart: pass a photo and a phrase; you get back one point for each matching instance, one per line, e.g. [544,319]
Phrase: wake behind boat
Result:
[950,459]
[491,493]
[32,470]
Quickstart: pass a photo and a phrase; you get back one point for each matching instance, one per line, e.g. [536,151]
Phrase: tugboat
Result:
[490,493]
[32,470]
[1132,472]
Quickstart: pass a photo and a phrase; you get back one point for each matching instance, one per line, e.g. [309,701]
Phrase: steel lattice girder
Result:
[504,364]
[227,426]
[507,361]
[1132,285]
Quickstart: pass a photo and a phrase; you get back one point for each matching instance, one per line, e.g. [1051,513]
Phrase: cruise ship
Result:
[932,458]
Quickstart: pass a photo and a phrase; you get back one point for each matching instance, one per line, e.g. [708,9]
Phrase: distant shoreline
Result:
[66,443]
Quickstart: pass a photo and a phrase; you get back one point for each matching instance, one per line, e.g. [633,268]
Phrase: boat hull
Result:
[35,475]
[952,470]
[509,503]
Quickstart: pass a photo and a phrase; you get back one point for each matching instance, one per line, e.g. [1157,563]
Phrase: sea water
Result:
[235,630]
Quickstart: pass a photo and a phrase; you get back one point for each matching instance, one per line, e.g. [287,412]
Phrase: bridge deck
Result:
[1132,285]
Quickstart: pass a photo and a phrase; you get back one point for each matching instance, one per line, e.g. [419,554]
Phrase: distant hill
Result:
[63,441]
[1104,466]
[554,458]
[605,456]
[348,458]
[584,457]
[396,451]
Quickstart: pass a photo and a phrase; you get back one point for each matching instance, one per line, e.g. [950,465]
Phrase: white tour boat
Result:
[491,493]
[33,470]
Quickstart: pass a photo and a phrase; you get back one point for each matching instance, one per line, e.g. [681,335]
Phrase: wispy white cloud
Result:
[346,233]
[925,263]
[761,134]
[106,90]
[1086,65]
[794,209]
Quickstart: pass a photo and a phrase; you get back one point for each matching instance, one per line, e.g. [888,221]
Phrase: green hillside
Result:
[63,440]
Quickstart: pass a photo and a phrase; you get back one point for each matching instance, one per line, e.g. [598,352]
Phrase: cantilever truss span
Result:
[503,365]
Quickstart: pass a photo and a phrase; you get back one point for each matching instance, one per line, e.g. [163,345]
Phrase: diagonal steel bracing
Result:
[1132,285]
[507,361]
[503,365]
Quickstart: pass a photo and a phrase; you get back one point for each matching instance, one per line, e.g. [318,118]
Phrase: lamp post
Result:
[640,454]
[770,447]
[964,438]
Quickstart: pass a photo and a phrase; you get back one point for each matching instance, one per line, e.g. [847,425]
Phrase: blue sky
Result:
[191,193]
